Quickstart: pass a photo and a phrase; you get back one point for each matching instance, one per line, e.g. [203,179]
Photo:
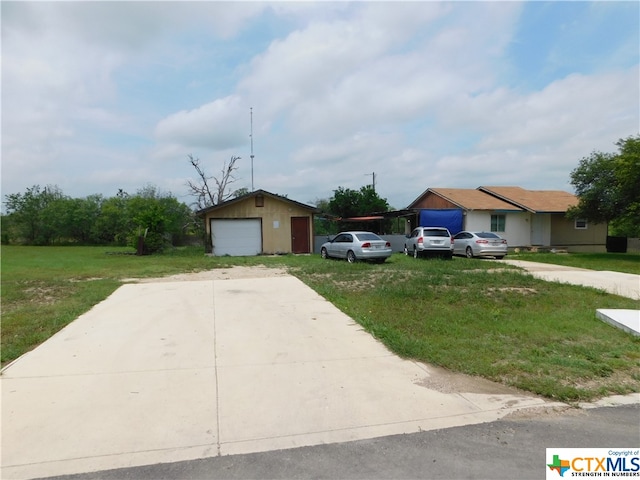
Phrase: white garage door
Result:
[236,237]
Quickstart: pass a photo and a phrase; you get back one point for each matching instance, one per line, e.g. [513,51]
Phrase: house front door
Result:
[540,228]
[300,235]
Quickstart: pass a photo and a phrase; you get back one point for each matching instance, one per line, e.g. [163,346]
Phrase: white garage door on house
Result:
[236,237]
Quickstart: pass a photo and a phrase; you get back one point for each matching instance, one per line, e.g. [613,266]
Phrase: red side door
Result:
[300,235]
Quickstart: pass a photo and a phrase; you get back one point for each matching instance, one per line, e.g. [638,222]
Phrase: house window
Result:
[259,200]
[498,223]
[581,224]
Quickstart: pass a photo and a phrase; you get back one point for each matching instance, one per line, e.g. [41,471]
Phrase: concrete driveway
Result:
[178,370]
[617,283]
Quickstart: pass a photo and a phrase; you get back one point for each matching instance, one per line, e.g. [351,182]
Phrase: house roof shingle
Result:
[472,199]
[537,201]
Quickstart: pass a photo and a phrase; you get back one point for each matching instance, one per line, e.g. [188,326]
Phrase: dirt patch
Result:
[521,290]
[545,411]
[216,274]
[43,295]
[446,381]
[615,379]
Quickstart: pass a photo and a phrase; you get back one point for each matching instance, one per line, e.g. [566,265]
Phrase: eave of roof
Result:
[363,219]
[204,211]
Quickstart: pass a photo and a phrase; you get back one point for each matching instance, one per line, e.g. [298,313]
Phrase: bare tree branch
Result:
[206,196]
[226,179]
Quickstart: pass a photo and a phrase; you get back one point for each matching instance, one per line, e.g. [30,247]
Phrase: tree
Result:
[350,203]
[607,187]
[240,192]
[205,194]
[35,214]
[78,218]
[347,203]
[113,225]
[46,216]
[323,224]
[158,217]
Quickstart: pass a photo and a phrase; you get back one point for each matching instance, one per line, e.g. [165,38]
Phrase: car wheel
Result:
[499,257]
[416,254]
[351,257]
[469,252]
[323,253]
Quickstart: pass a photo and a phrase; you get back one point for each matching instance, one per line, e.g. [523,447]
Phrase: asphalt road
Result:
[504,449]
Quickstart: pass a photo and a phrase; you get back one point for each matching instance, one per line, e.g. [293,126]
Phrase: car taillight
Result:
[451,239]
[504,241]
[482,241]
[366,245]
[421,240]
[388,244]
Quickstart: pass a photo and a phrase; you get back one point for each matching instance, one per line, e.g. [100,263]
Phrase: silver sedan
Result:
[354,246]
[479,244]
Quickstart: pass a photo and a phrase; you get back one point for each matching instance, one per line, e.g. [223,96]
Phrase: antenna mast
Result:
[251,136]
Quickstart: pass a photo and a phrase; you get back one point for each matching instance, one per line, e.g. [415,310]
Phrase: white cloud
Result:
[100,96]
[569,107]
[218,125]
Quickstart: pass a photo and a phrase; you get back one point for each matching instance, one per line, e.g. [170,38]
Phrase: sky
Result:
[102,96]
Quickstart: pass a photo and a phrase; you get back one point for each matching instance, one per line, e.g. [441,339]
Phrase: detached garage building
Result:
[258,223]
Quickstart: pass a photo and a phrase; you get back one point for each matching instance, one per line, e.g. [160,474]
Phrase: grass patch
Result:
[45,288]
[480,318]
[474,316]
[616,262]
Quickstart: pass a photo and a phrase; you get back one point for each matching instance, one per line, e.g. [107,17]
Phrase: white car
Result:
[354,246]
[429,240]
[479,244]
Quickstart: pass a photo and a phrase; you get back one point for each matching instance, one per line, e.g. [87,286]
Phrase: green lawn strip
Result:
[617,262]
[499,324]
[32,311]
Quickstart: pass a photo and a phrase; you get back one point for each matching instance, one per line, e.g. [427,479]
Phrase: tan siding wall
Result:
[276,221]
[564,233]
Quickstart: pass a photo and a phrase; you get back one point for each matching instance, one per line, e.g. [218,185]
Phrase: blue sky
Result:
[98,96]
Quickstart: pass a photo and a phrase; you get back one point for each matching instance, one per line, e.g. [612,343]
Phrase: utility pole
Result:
[374,180]
[251,136]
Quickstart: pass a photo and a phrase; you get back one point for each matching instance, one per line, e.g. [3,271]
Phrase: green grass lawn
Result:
[474,316]
[617,262]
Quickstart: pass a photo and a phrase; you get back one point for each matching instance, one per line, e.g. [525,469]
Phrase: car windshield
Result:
[436,233]
[367,236]
[487,235]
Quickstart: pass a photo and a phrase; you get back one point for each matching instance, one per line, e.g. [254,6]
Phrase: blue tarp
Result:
[449,218]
